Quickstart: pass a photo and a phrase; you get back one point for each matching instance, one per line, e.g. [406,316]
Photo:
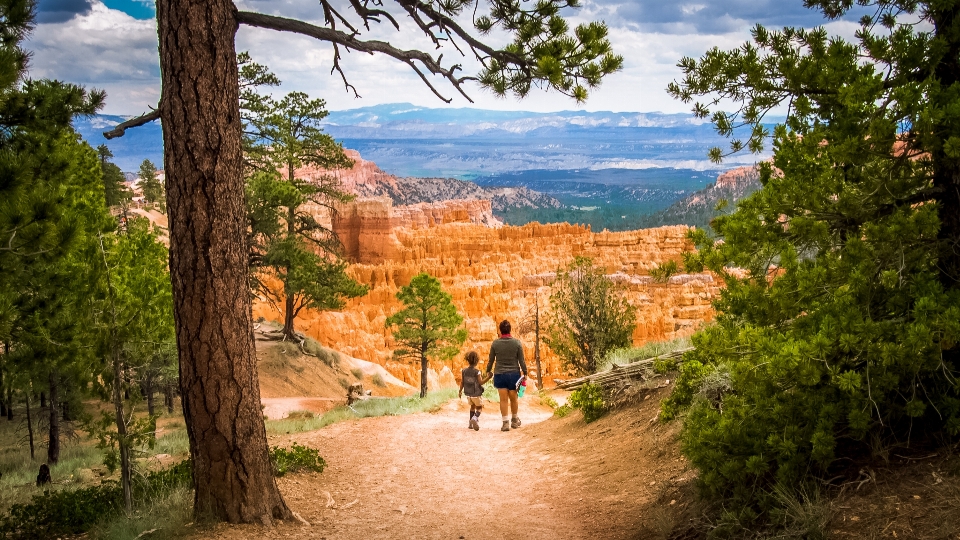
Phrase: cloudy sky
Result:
[112,44]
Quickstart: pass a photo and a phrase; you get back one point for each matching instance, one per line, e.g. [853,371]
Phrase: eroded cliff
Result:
[494,274]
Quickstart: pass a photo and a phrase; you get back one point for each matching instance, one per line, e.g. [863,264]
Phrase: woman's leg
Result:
[514,402]
[504,401]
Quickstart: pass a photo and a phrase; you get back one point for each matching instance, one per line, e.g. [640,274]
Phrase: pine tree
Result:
[428,326]
[287,242]
[842,337]
[115,192]
[153,191]
[589,316]
[135,329]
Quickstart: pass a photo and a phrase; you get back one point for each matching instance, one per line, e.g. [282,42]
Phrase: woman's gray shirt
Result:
[507,353]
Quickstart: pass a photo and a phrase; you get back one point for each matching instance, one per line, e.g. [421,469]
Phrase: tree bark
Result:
[200,112]
[946,169]
[53,445]
[168,397]
[26,401]
[536,345]
[148,391]
[423,372]
[288,312]
[3,394]
[43,400]
[289,296]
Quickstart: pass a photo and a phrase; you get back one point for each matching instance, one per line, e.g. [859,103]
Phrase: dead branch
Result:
[120,128]
[641,369]
[348,41]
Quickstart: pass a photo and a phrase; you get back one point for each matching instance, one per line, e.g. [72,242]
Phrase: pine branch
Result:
[121,128]
[348,41]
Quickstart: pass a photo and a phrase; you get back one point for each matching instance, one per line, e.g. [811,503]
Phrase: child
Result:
[471,383]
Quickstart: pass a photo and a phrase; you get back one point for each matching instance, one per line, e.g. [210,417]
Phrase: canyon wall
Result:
[493,273]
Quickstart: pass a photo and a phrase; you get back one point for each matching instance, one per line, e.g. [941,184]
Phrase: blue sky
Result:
[134,8]
[112,44]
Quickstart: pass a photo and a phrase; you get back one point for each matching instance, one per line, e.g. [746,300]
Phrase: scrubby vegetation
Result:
[836,341]
[589,399]
[69,512]
[297,458]
[589,316]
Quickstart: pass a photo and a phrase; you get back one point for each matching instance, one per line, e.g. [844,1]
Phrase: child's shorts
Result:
[475,401]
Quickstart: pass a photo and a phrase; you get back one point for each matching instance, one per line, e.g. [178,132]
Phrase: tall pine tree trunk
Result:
[536,345]
[288,293]
[423,372]
[148,391]
[199,108]
[946,169]
[26,401]
[53,445]
[6,403]
[168,397]
[288,313]
[3,394]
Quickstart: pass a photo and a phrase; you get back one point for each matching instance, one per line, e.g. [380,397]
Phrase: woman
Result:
[507,353]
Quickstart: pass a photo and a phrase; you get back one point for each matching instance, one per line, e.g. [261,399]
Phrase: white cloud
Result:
[103,48]
[108,49]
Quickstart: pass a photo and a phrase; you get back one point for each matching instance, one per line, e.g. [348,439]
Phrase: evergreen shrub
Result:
[296,459]
[589,399]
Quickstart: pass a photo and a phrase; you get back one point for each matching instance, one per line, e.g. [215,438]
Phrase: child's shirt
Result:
[471,382]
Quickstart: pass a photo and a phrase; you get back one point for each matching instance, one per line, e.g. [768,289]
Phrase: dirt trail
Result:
[428,476]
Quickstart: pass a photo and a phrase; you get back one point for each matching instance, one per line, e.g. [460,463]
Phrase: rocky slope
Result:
[365,180]
[697,209]
[494,274]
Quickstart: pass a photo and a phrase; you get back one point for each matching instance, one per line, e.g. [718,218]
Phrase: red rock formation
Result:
[494,274]
[364,179]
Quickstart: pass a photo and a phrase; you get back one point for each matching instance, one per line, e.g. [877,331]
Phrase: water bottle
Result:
[521,386]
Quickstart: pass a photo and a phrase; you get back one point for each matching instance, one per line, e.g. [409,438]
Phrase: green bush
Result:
[357,373]
[547,400]
[562,410]
[589,399]
[296,459]
[71,512]
[377,379]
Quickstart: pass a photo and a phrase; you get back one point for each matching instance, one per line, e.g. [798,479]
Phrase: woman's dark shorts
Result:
[507,381]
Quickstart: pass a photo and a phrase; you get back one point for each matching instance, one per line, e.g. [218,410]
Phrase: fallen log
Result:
[637,370]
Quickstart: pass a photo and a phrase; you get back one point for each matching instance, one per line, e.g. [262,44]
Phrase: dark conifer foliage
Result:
[840,342]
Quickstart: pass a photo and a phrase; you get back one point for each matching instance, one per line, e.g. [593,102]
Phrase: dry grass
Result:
[363,409]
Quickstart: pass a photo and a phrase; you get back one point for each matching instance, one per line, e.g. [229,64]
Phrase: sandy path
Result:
[422,476]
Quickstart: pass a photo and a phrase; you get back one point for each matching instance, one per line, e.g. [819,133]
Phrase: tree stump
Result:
[43,477]
[356,393]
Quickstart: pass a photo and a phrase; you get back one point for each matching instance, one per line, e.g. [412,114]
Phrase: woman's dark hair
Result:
[473,358]
[504,326]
